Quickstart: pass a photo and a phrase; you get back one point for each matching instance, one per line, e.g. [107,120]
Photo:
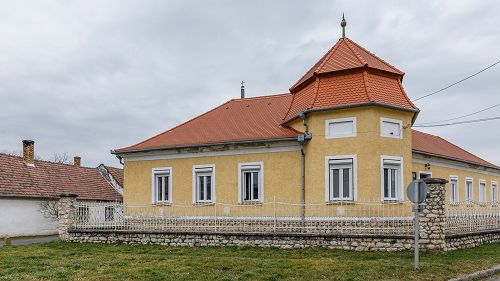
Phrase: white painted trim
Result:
[399,191]
[451,166]
[354,176]
[482,181]
[471,180]
[194,181]
[155,171]
[176,154]
[454,177]
[339,120]
[400,122]
[494,198]
[240,191]
[425,173]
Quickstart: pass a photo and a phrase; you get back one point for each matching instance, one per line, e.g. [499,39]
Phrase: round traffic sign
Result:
[417,191]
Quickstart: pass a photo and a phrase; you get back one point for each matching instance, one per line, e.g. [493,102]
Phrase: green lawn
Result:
[69,261]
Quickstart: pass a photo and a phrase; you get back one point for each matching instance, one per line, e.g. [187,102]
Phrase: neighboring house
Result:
[29,190]
[343,133]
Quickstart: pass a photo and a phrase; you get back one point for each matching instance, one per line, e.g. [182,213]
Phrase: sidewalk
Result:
[31,240]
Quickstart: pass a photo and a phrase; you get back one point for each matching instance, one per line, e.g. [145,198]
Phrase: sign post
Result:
[416,192]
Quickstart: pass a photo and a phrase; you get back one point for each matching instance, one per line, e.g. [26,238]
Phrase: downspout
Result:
[302,140]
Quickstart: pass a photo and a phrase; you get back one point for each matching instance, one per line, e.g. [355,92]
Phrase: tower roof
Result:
[346,54]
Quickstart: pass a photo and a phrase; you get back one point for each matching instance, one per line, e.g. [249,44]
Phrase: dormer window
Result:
[391,128]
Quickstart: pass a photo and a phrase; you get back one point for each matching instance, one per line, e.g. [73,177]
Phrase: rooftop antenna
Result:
[343,23]
[242,89]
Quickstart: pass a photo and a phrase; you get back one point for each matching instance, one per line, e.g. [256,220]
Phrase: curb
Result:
[479,274]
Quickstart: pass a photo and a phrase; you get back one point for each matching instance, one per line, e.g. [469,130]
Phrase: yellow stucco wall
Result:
[445,173]
[282,171]
[367,145]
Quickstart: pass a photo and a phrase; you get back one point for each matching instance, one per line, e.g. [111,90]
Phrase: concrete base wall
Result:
[23,217]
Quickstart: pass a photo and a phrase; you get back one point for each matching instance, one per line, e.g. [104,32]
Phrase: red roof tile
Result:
[429,144]
[238,120]
[47,179]
[346,54]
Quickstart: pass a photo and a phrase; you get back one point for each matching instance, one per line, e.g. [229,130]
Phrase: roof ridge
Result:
[173,128]
[261,97]
[365,78]
[314,67]
[405,95]
[46,161]
[328,54]
[366,50]
[360,58]
[316,91]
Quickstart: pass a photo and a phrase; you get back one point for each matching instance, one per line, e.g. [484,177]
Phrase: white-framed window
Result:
[340,128]
[454,197]
[469,190]
[251,182]
[204,183]
[391,128]
[494,192]
[340,178]
[482,191]
[162,185]
[391,178]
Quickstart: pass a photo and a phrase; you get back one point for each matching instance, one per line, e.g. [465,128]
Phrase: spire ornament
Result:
[343,23]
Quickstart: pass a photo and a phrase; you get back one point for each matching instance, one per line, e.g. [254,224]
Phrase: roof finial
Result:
[343,23]
[242,89]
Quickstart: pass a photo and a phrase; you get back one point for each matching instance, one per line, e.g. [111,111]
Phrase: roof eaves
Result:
[455,159]
[205,145]
[350,106]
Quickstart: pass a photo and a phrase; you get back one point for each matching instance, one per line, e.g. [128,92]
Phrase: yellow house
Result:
[342,135]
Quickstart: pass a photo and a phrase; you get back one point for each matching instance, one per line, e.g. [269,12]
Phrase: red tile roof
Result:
[116,173]
[346,54]
[238,120]
[433,145]
[49,180]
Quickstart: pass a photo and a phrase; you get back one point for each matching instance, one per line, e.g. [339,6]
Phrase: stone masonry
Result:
[66,213]
[433,216]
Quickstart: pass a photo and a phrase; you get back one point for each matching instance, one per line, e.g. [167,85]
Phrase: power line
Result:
[460,81]
[460,117]
[456,123]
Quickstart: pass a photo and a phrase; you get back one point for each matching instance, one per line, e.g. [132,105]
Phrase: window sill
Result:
[341,202]
[203,203]
[162,204]
[252,203]
[392,201]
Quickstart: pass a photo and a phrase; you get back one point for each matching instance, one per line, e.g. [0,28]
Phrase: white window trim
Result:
[482,181]
[454,177]
[493,199]
[400,193]
[159,170]
[382,119]
[338,120]
[198,167]
[354,176]
[425,173]
[240,180]
[471,180]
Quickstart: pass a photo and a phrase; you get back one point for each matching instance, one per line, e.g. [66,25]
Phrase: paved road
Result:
[32,240]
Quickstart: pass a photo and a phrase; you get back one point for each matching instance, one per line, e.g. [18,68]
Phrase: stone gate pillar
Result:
[66,211]
[433,216]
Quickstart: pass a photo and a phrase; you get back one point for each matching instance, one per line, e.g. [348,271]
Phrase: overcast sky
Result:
[89,76]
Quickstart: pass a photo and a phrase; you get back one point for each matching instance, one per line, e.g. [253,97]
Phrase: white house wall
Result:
[22,217]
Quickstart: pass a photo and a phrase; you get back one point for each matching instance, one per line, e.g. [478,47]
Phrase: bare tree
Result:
[49,209]
[60,158]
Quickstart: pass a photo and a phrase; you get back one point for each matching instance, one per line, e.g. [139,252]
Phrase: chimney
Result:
[29,152]
[242,90]
[77,161]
